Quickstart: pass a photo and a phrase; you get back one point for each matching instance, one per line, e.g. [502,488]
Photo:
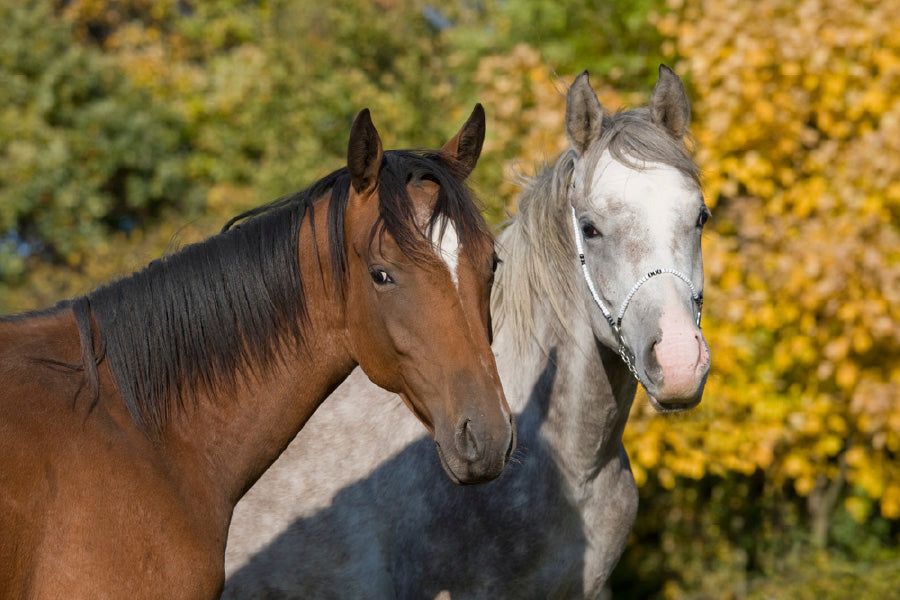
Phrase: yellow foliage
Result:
[890,502]
[858,508]
[526,102]
[797,129]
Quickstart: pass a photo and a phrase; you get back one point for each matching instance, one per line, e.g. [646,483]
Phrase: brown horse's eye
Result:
[381,277]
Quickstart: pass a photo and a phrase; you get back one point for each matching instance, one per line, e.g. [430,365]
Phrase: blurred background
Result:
[129,128]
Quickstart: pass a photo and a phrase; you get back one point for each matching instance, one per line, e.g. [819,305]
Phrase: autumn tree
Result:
[797,129]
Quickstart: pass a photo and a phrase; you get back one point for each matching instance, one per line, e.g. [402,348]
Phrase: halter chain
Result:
[616,324]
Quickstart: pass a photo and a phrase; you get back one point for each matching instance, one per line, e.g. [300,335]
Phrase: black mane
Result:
[230,304]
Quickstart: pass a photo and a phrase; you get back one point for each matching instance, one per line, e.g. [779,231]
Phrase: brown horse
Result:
[134,418]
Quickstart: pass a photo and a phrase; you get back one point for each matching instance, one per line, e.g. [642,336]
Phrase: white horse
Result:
[599,282]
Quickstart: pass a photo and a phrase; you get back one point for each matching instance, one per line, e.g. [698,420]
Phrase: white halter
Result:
[616,324]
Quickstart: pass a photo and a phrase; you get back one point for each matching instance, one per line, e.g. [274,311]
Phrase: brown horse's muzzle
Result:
[475,450]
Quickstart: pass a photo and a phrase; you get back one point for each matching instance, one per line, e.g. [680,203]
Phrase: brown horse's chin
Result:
[462,474]
[449,471]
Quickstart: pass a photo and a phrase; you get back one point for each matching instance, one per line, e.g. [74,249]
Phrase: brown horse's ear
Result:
[584,115]
[364,153]
[669,106]
[465,146]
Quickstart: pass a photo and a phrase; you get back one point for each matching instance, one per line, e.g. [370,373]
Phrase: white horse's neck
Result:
[582,390]
[572,396]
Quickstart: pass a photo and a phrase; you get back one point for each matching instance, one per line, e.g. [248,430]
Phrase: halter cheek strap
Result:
[616,324]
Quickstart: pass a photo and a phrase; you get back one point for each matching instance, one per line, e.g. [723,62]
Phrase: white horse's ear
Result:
[584,115]
[669,107]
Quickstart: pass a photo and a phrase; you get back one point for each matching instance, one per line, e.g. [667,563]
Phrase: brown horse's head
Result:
[417,286]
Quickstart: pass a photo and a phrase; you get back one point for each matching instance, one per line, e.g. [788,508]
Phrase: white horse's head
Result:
[638,216]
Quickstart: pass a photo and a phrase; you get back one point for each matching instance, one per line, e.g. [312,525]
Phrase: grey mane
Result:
[542,251]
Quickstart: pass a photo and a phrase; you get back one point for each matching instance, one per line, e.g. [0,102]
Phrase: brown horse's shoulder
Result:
[40,362]
[27,341]
[78,486]
[78,479]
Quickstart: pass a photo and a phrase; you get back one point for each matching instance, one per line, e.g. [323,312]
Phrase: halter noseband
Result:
[616,324]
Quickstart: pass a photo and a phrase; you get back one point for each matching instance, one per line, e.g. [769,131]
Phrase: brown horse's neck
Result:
[222,446]
[228,440]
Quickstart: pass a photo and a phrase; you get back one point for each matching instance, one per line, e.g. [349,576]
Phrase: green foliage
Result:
[829,578]
[150,105]
[739,537]
[615,39]
[82,151]
[367,54]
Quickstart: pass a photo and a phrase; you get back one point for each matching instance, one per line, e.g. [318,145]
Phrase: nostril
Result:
[651,362]
[467,441]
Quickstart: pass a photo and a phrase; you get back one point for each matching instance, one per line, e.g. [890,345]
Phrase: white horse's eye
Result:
[590,231]
[704,217]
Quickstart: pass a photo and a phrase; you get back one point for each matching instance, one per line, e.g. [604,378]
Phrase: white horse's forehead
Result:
[655,189]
